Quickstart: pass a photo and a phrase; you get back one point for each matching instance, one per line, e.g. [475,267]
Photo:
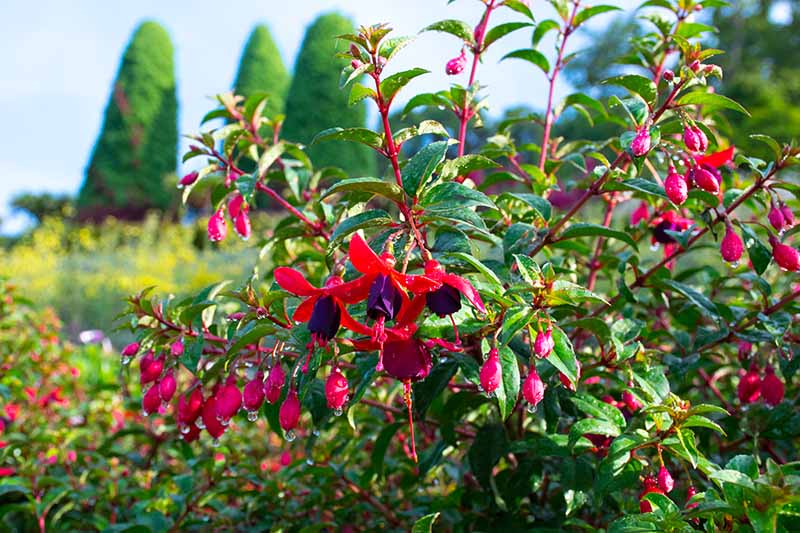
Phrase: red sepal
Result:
[294,282]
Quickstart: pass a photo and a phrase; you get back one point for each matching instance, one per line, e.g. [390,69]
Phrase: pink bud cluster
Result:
[238,210]
[752,386]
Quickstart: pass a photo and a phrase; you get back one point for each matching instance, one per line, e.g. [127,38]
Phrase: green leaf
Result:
[358,93]
[458,28]
[427,390]
[732,476]
[772,143]
[501,30]
[463,165]
[489,446]
[531,56]
[370,185]
[648,187]
[380,445]
[703,422]
[269,156]
[758,252]
[453,191]
[595,426]
[589,12]
[421,166]
[487,273]
[599,409]
[519,7]
[694,296]
[542,29]
[563,355]
[251,337]
[508,392]
[359,135]
[636,84]
[662,503]
[541,206]
[425,524]
[595,230]
[711,101]
[367,219]
[392,84]
[565,292]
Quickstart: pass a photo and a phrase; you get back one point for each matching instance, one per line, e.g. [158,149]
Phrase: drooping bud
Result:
[130,350]
[176,348]
[731,248]
[491,372]
[788,215]
[217,227]
[772,389]
[640,144]
[533,388]
[749,388]
[326,316]
[787,257]
[566,381]
[444,301]
[189,409]
[665,481]
[151,400]
[676,188]
[407,359]
[188,179]
[650,486]
[167,386]
[631,402]
[236,205]
[543,345]
[210,420]
[695,139]
[229,400]
[776,218]
[744,350]
[690,493]
[241,224]
[640,213]
[705,179]
[290,411]
[150,368]
[253,394]
[336,390]
[668,76]
[456,65]
[274,383]
[384,298]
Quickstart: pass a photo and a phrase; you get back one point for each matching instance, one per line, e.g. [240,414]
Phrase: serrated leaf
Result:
[358,93]
[640,85]
[694,296]
[757,251]
[589,12]
[599,409]
[459,193]
[565,292]
[648,187]
[501,30]
[594,426]
[563,355]
[425,524]
[508,392]
[461,166]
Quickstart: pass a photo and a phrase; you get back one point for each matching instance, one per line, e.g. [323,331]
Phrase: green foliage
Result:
[41,206]
[315,102]
[136,151]
[261,69]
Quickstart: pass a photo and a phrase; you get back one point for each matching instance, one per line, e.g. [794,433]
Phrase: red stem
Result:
[315,226]
[594,264]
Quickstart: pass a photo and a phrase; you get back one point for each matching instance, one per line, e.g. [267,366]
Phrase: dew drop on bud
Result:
[126,359]
[490,394]
[735,264]
[215,443]
[252,416]
[338,411]
[145,413]
[309,461]
[184,428]
[199,423]
[222,422]
[480,388]
[531,408]
[315,433]
[655,246]
[290,435]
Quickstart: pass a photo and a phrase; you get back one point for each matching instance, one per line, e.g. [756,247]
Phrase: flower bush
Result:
[557,335]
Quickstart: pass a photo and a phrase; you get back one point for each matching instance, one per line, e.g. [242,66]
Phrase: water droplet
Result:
[480,388]
[126,359]
[183,428]
[252,416]
[199,423]
[735,264]
[309,461]
[490,394]
[338,411]
[248,364]
[655,246]
[315,432]
[290,435]
[531,408]
[224,423]
[443,359]
[215,443]
[145,413]
[440,107]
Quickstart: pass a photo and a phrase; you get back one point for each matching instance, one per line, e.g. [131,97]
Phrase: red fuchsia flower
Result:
[776,218]
[151,400]
[544,344]
[253,394]
[675,187]
[665,481]
[209,417]
[690,493]
[274,383]
[188,179]
[787,257]
[749,388]
[189,408]
[446,300]
[640,213]
[241,224]
[130,350]
[289,413]
[7,471]
[771,387]
[336,390]
[176,348]
[167,386]
[703,178]
[650,486]
[695,139]
[217,227]
[731,248]
[640,144]
[150,368]
[456,65]
[631,402]
[228,400]
[669,221]
[491,374]
[533,389]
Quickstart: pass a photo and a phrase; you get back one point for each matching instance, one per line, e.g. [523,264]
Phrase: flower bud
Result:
[669,76]
[705,180]
[543,345]
[631,402]
[787,257]
[274,383]
[665,481]
[731,246]
[776,218]
[290,411]
[166,387]
[640,213]
[772,389]
[690,492]
[236,205]
[695,139]
[188,179]
[533,388]
[176,348]
[210,420]
[676,188]
[456,65]
[130,350]
[640,144]
[354,51]
[744,350]
[356,64]
[695,66]
[217,227]
[749,388]
[491,372]
[242,225]
[253,395]
[150,368]
[229,400]
[151,400]
[336,389]
[788,215]
[650,486]
[189,408]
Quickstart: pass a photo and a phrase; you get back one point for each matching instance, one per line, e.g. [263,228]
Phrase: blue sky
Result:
[58,60]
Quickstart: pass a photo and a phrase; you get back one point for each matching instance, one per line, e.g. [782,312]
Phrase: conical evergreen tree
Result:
[262,70]
[137,147]
[315,101]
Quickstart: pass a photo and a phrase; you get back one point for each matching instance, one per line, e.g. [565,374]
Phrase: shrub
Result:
[261,70]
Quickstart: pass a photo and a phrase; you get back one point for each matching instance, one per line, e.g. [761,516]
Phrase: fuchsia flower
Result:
[695,139]
[731,246]
[446,300]
[669,221]
[641,143]
[336,390]
[456,65]
[772,389]
[491,374]
[217,227]
[675,187]
[640,213]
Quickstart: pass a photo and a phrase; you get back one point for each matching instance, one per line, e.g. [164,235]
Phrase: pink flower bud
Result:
[669,76]
[151,400]
[776,218]
[533,388]
[217,227]
[705,180]
[787,257]
[242,225]
[543,345]
[254,393]
[274,383]
[676,188]
[565,380]
[188,179]
[695,66]
[229,400]
[731,246]
[166,387]
[630,401]
[690,493]
[640,213]
[354,51]
[150,368]
[788,215]
[131,349]
[744,350]
[356,64]
[456,65]
[290,411]
[189,408]
[665,481]
[640,144]
[772,389]
[749,388]
[695,139]
[491,372]
[176,348]
[650,486]
[336,389]
[236,205]
[210,420]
